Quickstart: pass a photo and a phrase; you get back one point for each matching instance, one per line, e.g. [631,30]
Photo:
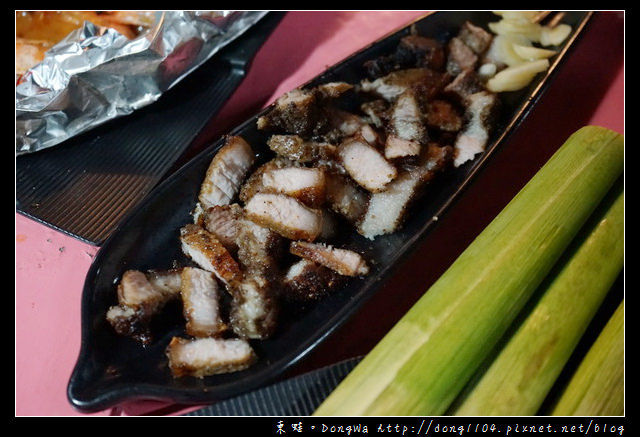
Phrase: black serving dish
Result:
[112,369]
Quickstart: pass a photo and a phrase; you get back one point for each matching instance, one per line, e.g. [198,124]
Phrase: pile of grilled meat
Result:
[262,231]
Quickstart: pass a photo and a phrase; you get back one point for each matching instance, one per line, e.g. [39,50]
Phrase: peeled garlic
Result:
[516,77]
[531,53]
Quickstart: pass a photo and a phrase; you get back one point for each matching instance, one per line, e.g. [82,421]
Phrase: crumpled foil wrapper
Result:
[96,74]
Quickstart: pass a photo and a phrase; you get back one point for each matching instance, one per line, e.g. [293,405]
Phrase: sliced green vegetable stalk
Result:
[424,361]
[522,374]
[597,386]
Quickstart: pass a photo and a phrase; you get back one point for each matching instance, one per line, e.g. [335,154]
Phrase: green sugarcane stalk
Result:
[426,359]
[597,386]
[521,376]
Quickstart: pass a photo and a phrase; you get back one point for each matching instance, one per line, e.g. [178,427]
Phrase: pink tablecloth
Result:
[51,267]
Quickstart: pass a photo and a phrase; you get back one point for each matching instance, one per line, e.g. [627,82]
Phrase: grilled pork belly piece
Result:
[387,210]
[366,165]
[201,304]
[254,308]
[141,296]
[204,249]
[480,116]
[285,215]
[412,51]
[260,250]
[475,37]
[462,86]
[443,116]
[202,357]
[306,281]
[226,172]
[222,222]
[343,261]
[304,112]
[427,81]
[297,149]
[406,128]
[345,197]
[460,57]
[307,184]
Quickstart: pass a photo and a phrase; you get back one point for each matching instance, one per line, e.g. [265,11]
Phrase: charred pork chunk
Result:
[461,57]
[462,86]
[343,261]
[425,80]
[345,197]
[222,222]
[366,165]
[387,210]
[412,51]
[141,297]
[254,308]
[306,281]
[204,249]
[480,117]
[475,37]
[285,215]
[307,184]
[304,112]
[260,250]
[202,357]
[407,131]
[226,173]
[297,149]
[201,303]
[443,116]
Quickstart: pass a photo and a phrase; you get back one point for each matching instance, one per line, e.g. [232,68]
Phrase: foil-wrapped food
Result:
[76,70]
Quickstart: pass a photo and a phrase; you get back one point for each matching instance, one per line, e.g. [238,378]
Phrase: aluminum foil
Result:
[96,74]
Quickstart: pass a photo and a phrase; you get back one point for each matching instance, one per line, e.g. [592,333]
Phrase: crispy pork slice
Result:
[285,215]
[298,149]
[202,357]
[307,184]
[260,249]
[366,165]
[204,249]
[480,117]
[443,116]
[201,305]
[222,221]
[412,51]
[430,83]
[407,131]
[343,261]
[387,210]
[167,282]
[475,37]
[254,308]
[462,86]
[460,57]
[304,112]
[306,281]
[227,171]
[141,296]
[345,197]
[377,112]
[254,184]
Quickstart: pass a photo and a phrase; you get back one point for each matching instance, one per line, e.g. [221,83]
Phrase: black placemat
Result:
[297,396]
[84,186]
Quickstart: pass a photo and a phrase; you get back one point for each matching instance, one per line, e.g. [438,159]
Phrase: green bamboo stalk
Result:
[597,386]
[519,379]
[421,365]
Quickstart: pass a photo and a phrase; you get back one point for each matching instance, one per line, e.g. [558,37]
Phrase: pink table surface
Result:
[51,266]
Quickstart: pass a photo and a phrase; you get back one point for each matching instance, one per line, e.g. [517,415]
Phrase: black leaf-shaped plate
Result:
[112,369]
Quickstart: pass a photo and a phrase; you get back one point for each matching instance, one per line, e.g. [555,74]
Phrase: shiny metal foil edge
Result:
[95,74]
